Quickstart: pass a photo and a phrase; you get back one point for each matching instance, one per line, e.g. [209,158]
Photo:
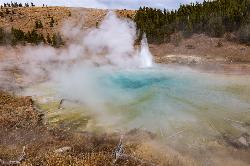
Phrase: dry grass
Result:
[24,18]
[17,112]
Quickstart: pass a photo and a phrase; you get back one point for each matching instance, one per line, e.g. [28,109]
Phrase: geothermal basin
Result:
[103,83]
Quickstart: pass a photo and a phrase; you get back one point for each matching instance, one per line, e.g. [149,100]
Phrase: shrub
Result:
[244,34]
[219,44]
[17,36]
[176,38]
[1,35]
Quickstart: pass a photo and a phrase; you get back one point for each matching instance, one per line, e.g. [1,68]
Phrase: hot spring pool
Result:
[164,100]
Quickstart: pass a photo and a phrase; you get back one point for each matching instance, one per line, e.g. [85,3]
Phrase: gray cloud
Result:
[111,4]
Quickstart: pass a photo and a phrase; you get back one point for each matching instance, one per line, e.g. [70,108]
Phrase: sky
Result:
[109,4]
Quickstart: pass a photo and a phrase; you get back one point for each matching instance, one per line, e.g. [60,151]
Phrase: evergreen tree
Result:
[57,40]
[49,41]
[17,35]
[1,36]
[52,21]
[1,14]
[42,39]
[38,24]
[54,41]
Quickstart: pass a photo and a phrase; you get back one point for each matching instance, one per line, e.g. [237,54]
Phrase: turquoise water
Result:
[161,98]
[164,100]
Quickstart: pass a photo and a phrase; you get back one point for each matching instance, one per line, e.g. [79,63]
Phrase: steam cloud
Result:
[79,72]
[74,69]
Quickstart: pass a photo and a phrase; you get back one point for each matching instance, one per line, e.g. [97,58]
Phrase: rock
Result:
[189,46]
[63,149]
[243,141]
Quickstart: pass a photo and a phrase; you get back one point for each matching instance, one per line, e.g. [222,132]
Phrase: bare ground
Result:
[201,49]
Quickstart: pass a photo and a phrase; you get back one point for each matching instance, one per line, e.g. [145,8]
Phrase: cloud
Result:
[111,4]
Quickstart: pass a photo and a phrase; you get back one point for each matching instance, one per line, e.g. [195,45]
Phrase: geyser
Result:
[146,57]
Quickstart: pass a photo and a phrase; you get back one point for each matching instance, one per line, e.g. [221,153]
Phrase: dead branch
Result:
[119,150]
[162,134]
[175,134]
[119,154]
[63,100]
[60,104]
[14,162]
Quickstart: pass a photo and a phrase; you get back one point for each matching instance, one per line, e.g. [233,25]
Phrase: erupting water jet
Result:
[146,58]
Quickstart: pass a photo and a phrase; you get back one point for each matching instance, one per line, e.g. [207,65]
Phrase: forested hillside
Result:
[27,24]
[230,18]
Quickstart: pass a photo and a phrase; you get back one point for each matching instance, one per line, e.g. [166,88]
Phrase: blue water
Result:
[162,99]
[184,108]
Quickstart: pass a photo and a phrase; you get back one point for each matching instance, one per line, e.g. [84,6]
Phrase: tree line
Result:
[214,18]
[16,5]
[17,36]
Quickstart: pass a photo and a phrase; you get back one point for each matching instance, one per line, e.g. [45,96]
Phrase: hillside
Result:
[25,18]
[200,50]
[202,47]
